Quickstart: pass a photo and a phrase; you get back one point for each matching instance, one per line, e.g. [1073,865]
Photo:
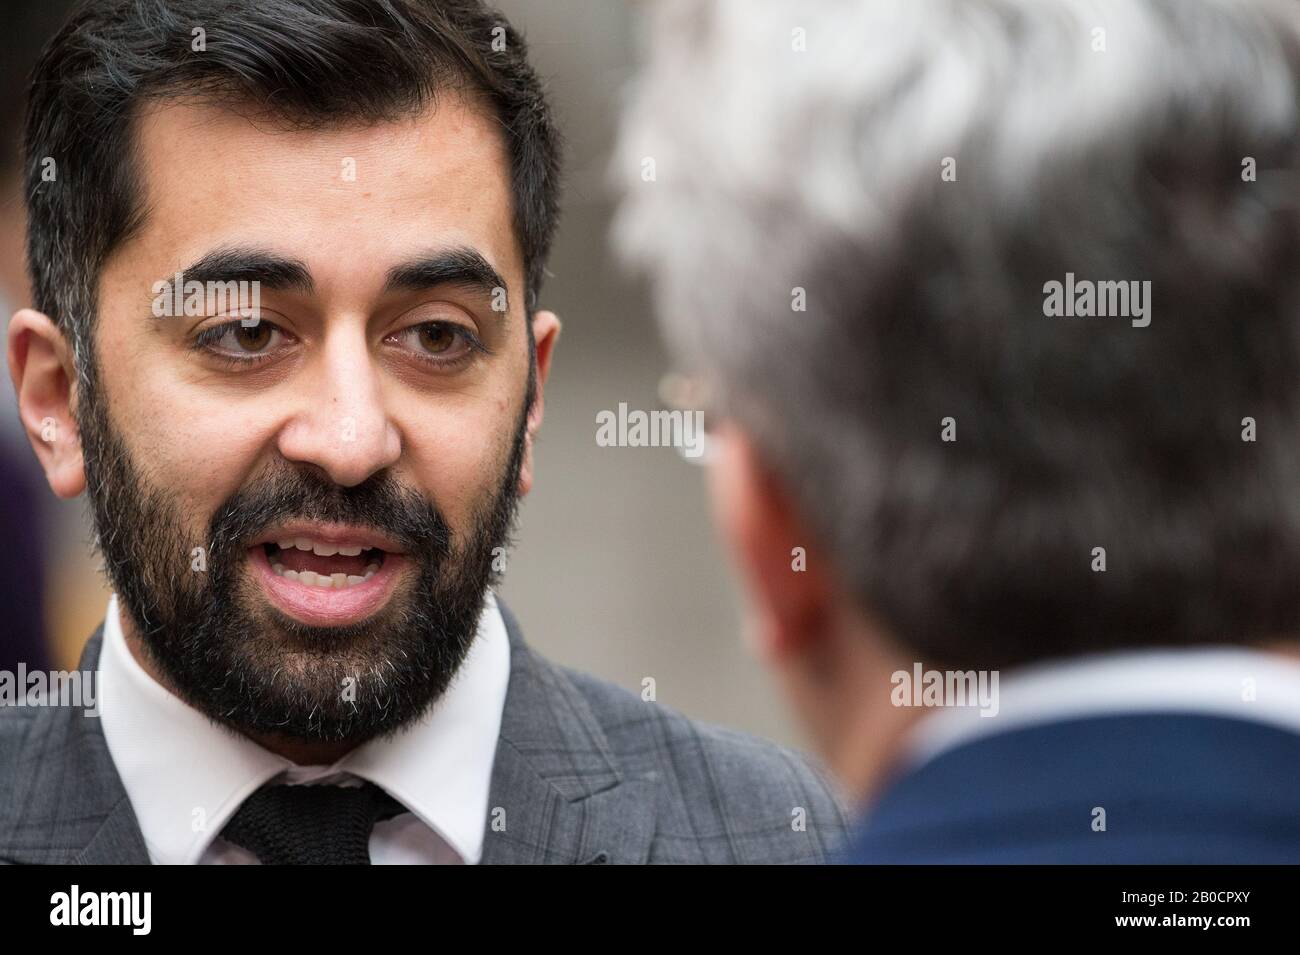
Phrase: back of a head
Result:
[928,180]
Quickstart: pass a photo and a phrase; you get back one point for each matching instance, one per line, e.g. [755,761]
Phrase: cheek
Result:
[179,429]
[458,460]
[200,449]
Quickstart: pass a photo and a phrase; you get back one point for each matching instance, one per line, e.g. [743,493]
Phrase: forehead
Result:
[346,200]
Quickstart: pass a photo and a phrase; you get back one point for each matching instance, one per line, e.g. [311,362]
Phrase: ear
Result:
[546,332]
[40,364]
[789,582]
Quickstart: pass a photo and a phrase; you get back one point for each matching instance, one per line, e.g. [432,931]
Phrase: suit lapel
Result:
[118,839]
[557,794]
[75,804]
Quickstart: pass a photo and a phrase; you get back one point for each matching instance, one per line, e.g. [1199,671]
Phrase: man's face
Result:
[378,405]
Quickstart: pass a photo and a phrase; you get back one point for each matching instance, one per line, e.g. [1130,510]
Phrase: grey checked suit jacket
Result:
[586,772]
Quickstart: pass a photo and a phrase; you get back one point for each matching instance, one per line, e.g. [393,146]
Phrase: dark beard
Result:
[245,664]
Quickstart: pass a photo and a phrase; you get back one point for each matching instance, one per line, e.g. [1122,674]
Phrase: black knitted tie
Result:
[311,825]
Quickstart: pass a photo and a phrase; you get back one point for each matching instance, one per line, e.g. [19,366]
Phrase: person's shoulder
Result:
[37,713]
[31,738]
[42,724]
[15,725]
[22,724]
[962,805]
[723,794]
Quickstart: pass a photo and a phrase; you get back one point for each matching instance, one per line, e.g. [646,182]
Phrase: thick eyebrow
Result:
[271,270]
[460,265]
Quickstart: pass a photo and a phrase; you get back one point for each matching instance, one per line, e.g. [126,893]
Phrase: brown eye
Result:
[440,345]
[240,345]
[253,338]
[436,339]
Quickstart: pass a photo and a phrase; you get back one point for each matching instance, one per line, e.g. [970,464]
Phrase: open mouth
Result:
[336,576]
[323,565]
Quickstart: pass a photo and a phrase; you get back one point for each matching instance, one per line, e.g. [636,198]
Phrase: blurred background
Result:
[617,570]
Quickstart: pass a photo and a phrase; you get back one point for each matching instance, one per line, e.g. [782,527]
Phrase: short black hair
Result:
[316,63]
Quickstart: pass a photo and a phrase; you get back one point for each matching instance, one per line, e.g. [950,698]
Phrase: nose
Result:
[340,423]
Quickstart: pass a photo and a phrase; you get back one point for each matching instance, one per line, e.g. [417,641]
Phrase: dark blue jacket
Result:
[1175,788]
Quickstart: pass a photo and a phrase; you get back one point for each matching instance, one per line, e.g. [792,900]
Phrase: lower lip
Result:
[327,607]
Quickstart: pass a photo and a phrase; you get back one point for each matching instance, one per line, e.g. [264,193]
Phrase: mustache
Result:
[380,503]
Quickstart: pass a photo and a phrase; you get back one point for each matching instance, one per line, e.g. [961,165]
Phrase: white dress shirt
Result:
[1228,681]
[186,775]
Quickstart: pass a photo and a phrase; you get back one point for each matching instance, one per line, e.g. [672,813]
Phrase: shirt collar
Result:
[1233,682]
[185,774]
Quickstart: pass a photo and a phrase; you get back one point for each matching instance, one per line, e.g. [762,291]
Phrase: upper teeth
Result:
[320,549]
